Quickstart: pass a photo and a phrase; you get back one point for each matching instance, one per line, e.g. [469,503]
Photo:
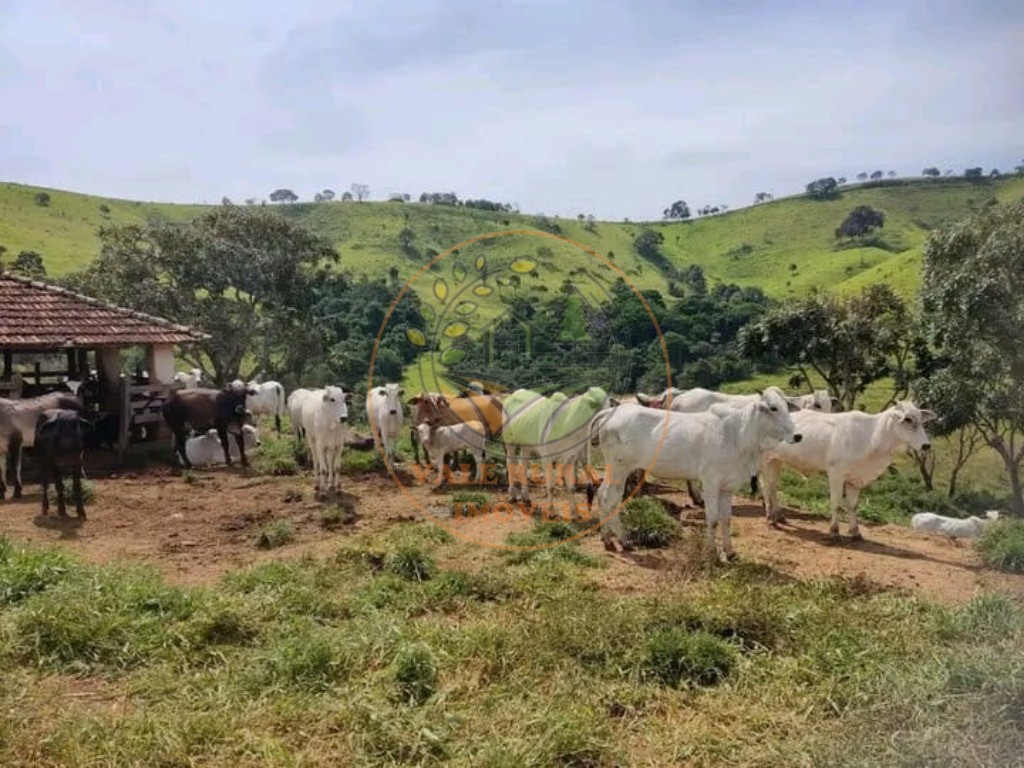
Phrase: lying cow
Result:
[205,450]
[18,419]
[222,410]
[324,419]
[384,412]
[954,528]
[444,440]
[60,438]
[720,447]
[852,448]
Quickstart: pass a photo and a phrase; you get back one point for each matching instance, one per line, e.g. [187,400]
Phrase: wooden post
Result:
[83,362]
[108,367]
[124,415]
[160,363]
[38,367]
[8,363]
[72,365]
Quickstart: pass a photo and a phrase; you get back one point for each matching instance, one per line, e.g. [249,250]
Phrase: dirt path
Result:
[195,532]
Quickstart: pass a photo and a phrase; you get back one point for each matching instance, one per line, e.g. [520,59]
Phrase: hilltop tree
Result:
[763,197]
[823,189]
[283,196]
[591,223]
[841,180]
[42,199]
[876,175]
[849,342]
[973,174]
[361,191]
[399,197]
[973,296]
[29,264]
[324,197]
[891,174]
[346,197]
[648,242]
[678,210]
[862,221]
[862,176]
[244,275]
[932,172]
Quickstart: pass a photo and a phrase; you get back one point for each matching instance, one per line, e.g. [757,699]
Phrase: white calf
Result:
[955,528]
[384,412]
[443,440]
[853,448]
[206,449]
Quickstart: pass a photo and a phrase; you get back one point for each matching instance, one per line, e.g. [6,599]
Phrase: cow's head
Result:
[773,411]
[651,401]
[431,409]
[392,396]
[232,402]
[909,421]
[335,403]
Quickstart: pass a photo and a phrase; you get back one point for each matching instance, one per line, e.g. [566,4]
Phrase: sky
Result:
[601,107]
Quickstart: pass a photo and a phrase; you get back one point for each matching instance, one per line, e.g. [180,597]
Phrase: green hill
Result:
[785,246]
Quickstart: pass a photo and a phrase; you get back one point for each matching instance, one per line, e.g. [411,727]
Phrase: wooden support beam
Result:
[124,413]
[8,363]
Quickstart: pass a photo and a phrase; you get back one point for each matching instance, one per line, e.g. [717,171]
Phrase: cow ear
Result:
[401,391]
[381,391]
[414,399]
[763,407]
[614,402]
[326,396]
[927,416]
[348,397]
[643,399]
[792,406]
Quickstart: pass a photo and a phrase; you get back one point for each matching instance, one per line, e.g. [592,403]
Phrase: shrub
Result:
[647,524]
[276,456]
[308,661]
[410,562]
[1002,545]
[276,534]
[25,572]
[468,503]
[416,674]
[42,199]
[337,516]
[675,656]
[104,208]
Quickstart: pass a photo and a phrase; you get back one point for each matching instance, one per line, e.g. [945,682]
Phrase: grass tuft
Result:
[415,672]
[411,563]
[276,534]
[276,455]
[676,657]
[337,516]
[647,523]
[1001,545]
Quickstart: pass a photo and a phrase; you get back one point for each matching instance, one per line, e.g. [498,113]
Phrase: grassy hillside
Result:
[786,246]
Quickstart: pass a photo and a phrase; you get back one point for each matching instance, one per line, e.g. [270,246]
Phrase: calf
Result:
[432,408]
[444,440]
[720,447]
[204,409]
[852,448]
[325,424]
[18,419]
[384,412]
[205,450]
[954,528]
[60,438]
[189,380]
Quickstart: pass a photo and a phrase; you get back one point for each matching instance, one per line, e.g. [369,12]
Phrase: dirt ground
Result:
[196,531]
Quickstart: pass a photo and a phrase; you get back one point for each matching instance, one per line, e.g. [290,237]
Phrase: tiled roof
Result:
[35,315]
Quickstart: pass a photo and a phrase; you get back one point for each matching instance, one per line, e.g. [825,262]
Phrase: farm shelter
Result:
[48,333]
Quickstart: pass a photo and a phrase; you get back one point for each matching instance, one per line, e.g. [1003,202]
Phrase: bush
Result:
[337,516]
[1002,545]
[469,503]
[675,656]
[25,572]
[276,534]
[647,524]
[276,456]
[416,674]
[410,562]
[42,199]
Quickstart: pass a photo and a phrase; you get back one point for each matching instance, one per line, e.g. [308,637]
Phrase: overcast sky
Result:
[596,106]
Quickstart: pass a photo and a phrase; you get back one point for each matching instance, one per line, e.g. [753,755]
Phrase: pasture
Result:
[227,617]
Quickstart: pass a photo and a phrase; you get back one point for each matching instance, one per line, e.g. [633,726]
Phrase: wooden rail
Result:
[139,406]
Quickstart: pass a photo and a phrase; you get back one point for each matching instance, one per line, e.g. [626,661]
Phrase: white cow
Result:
[720,447]
[443,440]
[818,400]
[325,423]
[954,528]
[269,400]
[853,448]
[206,449]
[564,438]
[384,412]
[294,405]
[188,380]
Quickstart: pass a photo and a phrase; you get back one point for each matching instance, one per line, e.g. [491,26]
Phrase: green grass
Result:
[338,661]
[647,524]
[276,534]
[1002,545]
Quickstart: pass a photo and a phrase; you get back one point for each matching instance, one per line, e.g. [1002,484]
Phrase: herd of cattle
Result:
[721,441]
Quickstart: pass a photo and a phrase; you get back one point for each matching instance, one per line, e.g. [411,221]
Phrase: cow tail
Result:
[279,407]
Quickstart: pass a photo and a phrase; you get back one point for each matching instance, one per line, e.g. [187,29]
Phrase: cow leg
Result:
[835,494]
[712,518]
[511,464]
[770,493]
[852,496]
[725,523]
[695,495]
[240,441]
[277,422]
[179,447]
[609,496]
[15,449]
[77,487]
[58,482]
[3,475]
[46,470]
[222,435]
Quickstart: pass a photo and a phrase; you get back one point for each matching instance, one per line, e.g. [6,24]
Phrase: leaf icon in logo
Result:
[465,308]
[456,329]
[429,315]
[416,337]
[441,290]
[452,356]
[523,265]
[483,290]
[459,273]
[481,262]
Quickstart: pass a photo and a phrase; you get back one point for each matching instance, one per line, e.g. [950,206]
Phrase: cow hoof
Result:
[609,545]
[16,495]
[731,557]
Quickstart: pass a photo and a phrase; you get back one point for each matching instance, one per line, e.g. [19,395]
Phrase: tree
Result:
[250,201]
[398,197]
[974,174]
[841,180]
[932,172]
[862,176]
[823,189]
[361,191]
[325,196]
[763,197]
[849,342]
[876,175]
[42,199]
[591,224]
[3,250]
[678,210]
[647,243]
[973,296]
[891,174]
[283,196]
[862,221]
[346,197]
[29,264]
[406,238]
[247,276]
[994,173]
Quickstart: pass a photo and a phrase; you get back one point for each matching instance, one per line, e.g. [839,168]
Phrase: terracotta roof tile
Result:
[35,315]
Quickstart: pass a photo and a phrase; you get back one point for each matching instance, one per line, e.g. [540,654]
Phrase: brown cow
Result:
[204,409]
[436,410]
